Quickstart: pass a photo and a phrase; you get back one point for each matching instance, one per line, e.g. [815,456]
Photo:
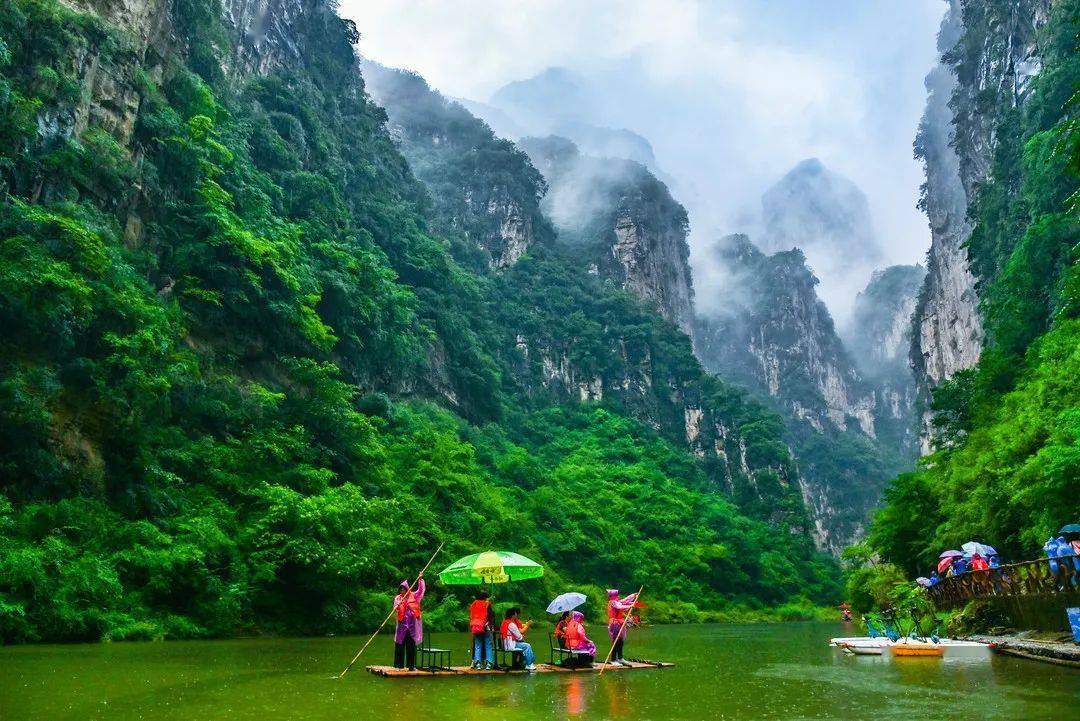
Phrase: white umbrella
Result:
[566,602]
[973,547]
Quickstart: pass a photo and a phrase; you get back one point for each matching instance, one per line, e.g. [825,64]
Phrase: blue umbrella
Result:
[566,602]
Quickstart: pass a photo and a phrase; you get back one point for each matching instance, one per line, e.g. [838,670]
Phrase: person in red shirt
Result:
[560,630]
[481,625]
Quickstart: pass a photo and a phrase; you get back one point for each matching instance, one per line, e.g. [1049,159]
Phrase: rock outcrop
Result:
[624,221]
[776,335]
[496,213]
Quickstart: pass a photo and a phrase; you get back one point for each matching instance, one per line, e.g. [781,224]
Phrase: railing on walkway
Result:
[1045,577]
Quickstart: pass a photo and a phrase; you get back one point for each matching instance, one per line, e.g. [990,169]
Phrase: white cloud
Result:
[731,94]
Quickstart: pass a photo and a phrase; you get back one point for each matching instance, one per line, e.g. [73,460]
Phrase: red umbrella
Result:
[844,605]
[944,563]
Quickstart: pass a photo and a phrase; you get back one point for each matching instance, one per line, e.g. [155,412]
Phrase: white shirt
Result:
[513,635]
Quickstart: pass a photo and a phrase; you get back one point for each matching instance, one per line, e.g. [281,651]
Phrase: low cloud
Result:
[731,95]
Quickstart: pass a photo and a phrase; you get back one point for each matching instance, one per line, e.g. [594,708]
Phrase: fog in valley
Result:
[720,100]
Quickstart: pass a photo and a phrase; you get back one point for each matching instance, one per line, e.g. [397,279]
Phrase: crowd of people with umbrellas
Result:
[496,567]
[975,556]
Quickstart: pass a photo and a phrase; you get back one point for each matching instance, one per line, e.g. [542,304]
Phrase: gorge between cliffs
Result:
[281,318]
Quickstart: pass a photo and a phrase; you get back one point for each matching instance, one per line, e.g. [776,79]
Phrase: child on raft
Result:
[481,625]
[618,623]
[410,626]
[513,637]
[560,630]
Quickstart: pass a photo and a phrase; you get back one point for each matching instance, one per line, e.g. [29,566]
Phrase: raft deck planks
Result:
[391,672]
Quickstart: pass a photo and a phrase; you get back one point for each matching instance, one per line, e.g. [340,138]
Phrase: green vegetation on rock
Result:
[245,387]
[1007,466]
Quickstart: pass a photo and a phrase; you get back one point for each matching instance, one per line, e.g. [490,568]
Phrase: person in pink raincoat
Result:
[410,625]
[576,638]
[617,628]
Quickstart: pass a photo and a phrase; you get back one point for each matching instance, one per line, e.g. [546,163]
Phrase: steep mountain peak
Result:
[624,221]
[811,207]
[828,217]
[772,333]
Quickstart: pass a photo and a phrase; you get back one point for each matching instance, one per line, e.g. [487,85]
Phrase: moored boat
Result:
[909,647]
[863,650]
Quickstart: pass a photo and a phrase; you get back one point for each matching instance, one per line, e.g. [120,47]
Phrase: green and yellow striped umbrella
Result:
[490,567]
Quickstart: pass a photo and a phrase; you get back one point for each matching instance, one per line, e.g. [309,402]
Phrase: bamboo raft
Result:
[391,672]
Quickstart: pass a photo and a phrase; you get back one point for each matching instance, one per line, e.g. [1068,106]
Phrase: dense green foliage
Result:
[571,333]
[221,322]
[1007,467]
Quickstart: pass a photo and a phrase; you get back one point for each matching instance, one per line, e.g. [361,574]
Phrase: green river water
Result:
[782,671]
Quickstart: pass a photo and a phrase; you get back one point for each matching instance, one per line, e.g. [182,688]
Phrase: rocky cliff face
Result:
[776,335]
[624,222]
[484,191]
[965,103]
[878,340]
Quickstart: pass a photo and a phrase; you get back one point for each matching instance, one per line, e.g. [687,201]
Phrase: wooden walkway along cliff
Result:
[1031,593]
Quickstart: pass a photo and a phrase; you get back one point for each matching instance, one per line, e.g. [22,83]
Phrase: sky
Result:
[731,93]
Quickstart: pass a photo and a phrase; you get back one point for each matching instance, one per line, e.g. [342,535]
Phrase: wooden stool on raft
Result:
[430,658]
[502,655]
[566,656]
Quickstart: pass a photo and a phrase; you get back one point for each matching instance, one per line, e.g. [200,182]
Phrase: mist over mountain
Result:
[556,102]
[828,217]
[625,220]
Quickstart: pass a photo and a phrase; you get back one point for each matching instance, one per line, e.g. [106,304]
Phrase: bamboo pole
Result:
[380,628]
[622,628]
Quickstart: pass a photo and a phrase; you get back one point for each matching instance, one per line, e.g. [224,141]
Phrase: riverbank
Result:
[1047,650]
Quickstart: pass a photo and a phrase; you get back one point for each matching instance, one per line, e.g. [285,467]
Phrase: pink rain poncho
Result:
[575,635]
[617,610]
[407,605]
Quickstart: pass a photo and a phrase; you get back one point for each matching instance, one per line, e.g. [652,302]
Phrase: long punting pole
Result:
[391,613]
[626,619]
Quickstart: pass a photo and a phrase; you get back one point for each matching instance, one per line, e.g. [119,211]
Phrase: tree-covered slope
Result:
[1007,465]
[246,385]
[569,315]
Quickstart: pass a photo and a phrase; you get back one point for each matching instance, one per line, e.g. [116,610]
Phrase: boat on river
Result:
[869,650]
[876,645]
[911,647]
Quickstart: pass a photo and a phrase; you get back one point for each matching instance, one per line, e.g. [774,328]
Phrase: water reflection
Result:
[742,673]
[575,695]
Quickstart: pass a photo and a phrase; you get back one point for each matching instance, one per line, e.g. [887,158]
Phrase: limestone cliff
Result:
[776,335]
[968,94]
[485,193]
[878,339]
[624,222]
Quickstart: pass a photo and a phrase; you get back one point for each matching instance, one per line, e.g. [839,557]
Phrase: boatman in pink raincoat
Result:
[410,626]
[618,624]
